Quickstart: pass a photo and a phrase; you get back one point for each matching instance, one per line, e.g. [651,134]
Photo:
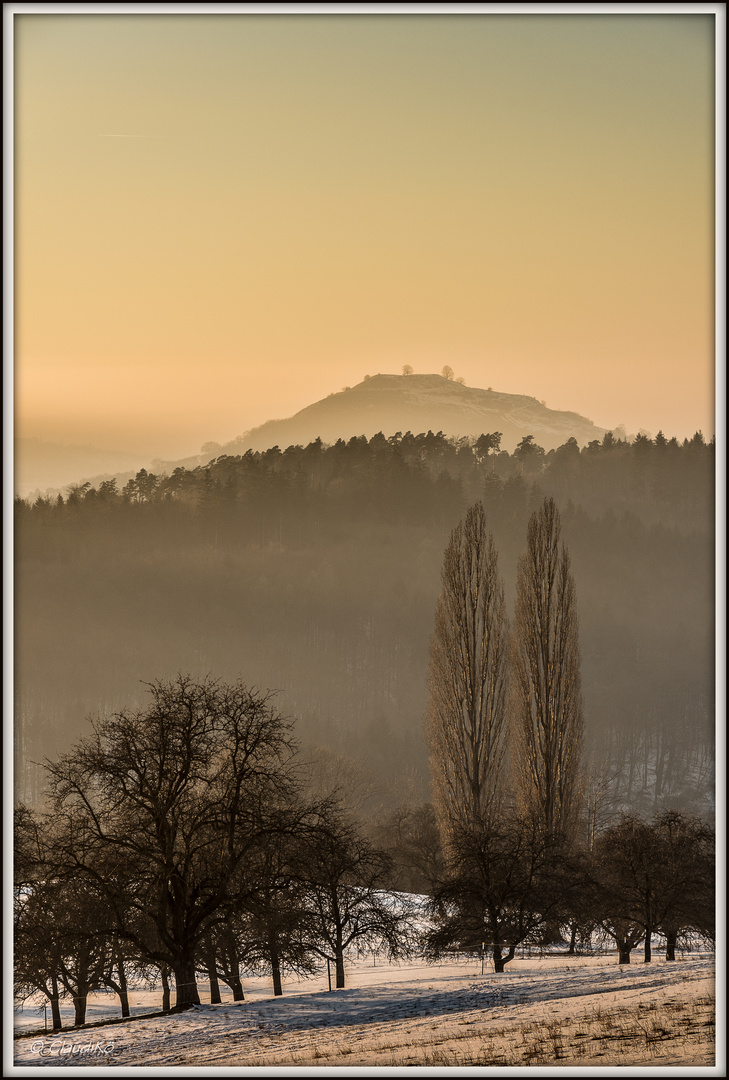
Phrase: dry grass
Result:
[647,1034]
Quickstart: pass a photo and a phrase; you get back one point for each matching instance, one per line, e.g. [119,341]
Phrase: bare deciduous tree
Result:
[466,727]
[650,877]
[172,801]
[546,691]
[504,881]
[346,880]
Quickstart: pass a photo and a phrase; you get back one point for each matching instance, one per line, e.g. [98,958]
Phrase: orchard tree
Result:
[688,901]
[609,903]
[467,680]
[504,882]
[172,800]
[653,876]
[38,948]
[224,948]
[274,911]
[348,904]
[121,956]
[38,910]
[81,924]
[546,690]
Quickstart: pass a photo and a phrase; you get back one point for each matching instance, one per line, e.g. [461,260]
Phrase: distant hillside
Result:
[42,466]
[386,403]
[418,403]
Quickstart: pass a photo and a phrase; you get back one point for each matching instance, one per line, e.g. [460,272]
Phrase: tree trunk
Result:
[647,947]
[213,980]
[185,984]
[123,990]
[276,971]
[340,969]
[573,940]
[55,1004]
[623,951]
[500,961]
[671,936]
[79,1010]
[230,963]
[164,971]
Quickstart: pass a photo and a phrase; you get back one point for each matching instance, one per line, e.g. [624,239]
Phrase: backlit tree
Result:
[546,691]
[466,726]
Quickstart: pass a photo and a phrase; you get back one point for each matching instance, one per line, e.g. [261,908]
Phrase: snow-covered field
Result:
[554,1011]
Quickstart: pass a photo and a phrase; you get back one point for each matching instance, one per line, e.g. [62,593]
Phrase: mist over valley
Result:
[313,568]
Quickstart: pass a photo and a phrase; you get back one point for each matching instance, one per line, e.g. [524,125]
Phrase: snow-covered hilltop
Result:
[391,403]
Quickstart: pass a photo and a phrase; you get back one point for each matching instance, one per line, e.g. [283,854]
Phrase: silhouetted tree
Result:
[653,876]
[547,698]
[81,923]
[172,799]
[504,881]
[273,913]
[121,956]
[346,880]
[487,442]
[467,679]
[37,945]
[224,948]
[529,451]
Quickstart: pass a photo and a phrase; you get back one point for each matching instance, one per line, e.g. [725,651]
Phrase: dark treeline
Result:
[315,570]
[412,479]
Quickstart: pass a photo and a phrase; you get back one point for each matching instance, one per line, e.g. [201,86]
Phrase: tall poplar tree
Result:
[467,680]
[546,692]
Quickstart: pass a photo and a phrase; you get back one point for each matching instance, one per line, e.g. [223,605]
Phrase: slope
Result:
[418,403]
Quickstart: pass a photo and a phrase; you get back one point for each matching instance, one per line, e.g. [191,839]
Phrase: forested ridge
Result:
[315,571]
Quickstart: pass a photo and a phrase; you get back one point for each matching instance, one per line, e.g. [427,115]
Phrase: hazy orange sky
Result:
[220,218]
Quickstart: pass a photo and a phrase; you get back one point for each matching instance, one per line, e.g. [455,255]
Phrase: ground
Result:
[550,1011]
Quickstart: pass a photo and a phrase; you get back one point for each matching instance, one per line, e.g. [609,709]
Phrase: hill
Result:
[419,403]
[386,403]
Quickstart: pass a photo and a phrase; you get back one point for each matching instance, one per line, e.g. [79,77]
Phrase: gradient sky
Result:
[222,218]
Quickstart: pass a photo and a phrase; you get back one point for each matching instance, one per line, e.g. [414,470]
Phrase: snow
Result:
[541,1012]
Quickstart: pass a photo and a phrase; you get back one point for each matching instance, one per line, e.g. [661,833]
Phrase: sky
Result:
[222,218]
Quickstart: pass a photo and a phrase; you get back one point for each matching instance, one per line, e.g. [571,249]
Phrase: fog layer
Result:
[315,571]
